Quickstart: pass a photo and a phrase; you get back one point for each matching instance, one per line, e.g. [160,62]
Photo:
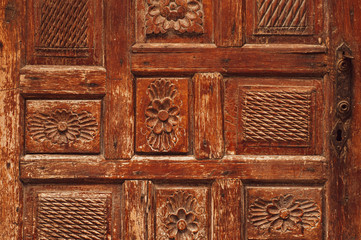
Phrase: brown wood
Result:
[180,119]
[208,124]
[10,185]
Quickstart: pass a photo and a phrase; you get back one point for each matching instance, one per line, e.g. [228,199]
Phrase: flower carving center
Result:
[62,126]
[284,213]
[163,115]
[181,225]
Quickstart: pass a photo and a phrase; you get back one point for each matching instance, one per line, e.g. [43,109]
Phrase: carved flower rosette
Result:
[285,214]
[180,16]
[181,218]
[162,116]
[62,127]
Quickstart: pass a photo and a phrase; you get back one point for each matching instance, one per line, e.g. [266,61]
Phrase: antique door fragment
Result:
[181,119]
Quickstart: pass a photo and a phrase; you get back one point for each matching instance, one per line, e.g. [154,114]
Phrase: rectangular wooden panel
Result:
[284,213]
[262,118]
[62,80]
[227,196]
[208,115]
[63,126]
[285,21]
[162,114]
[64,32]
[180,212]
[72,212]
[174,21]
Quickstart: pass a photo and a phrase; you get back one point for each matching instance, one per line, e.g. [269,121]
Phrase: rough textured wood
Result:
[278,168]
[229,24]
[232,60]
[227,198]
[10,186]
[344,193]
[208,115]
[135,203]
[119,106]
[62,80]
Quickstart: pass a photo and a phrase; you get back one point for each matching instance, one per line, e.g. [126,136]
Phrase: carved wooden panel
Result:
[162,115]
[181,212]
[63,126]
[281,118]
[291,21]
[283,17]
[174,20]
[72,212]
[71,30]
[284,213]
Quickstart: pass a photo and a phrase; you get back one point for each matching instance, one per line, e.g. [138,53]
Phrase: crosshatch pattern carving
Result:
[179,16]
[72,218]
[282,16]
[62,126]
[64,24]
[281,116]
[285,214]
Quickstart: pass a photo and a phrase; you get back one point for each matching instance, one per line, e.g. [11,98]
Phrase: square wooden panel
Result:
[174,21]
[284,213]
[67,32]
[162,115]
[72,212]
[182,212]
[273,119]
[298,21]
[63,126]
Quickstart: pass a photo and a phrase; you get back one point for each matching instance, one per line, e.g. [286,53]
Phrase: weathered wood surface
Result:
[208,115]
[345,178]
[10,186]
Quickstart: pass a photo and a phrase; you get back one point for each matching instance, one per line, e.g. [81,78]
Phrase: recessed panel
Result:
[67,32]
[171,21]
[63,126]
[284,213]
[273,117]
[162,115]
[182,212]
[72,212]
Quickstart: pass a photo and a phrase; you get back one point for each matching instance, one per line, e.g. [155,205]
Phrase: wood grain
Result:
[227,198]
[208,115]
[135,203]
[10,185]
[63,80]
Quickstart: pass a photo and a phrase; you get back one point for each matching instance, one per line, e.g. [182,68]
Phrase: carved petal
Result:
[273,210]
[173,218]
[184,22]
[151,112]
[181,214]
[156,104]
[165,104]
[154,11]
[193,227]
[297,213]
[168,127]
[277,224]
[173,230]
[151,122]
[191,15]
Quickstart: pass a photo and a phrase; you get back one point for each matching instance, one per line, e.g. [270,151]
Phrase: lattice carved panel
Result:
[64,32]
[72,217]
[269,119]
[284,212]
[283,17]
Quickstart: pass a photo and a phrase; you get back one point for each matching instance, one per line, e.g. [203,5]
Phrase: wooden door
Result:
[180,119]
